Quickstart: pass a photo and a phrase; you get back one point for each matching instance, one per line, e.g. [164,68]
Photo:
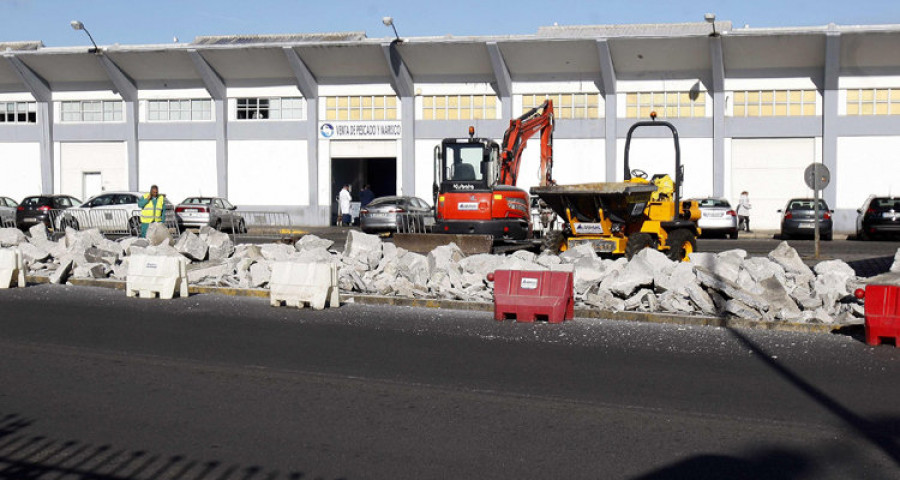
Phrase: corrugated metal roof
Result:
[635,30]
[286,38]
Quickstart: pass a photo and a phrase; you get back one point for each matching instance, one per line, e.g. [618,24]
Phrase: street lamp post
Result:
[711,19]
[76,25]
[389,22]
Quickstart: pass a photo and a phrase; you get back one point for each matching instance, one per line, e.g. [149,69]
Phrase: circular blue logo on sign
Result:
[327,130]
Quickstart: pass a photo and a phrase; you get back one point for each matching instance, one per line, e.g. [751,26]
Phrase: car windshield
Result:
[886,203]
[197,201]
[713,202]
[36,202]
[386,201]
[806,204]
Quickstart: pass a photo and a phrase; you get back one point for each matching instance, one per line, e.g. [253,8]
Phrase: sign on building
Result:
[359,130]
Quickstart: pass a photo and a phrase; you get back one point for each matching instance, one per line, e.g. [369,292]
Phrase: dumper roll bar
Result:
[678,172]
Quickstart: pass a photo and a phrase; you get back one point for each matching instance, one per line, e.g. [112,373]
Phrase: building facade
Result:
[281,122]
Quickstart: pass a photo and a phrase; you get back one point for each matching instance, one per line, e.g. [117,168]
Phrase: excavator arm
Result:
[538,119]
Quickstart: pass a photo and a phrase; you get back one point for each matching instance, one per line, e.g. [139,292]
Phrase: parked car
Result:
[798,218]
[879,216]
[383,213]
[8,212]
[717,217]
[216,212]
[110,212]
[39,209]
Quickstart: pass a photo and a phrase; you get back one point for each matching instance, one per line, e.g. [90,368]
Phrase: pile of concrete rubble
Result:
[778,287]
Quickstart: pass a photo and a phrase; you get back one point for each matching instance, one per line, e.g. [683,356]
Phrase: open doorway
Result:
[379,173]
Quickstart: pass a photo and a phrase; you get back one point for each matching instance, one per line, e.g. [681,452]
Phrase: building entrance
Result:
[379,173]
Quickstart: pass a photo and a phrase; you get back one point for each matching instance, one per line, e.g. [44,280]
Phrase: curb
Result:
[380,300]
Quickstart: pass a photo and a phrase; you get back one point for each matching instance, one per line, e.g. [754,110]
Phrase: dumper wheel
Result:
[636,243]
[553,241]
[681,244]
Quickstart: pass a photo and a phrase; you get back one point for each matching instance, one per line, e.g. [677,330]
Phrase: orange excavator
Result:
[475,179]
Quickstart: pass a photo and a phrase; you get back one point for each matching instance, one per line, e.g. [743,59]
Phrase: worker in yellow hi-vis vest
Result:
[153,207]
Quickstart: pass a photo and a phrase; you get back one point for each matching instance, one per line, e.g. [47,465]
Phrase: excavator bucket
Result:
[426,242]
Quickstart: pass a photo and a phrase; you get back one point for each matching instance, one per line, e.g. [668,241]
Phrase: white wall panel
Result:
[771,171]
[180,168]
[657,155]
[865,166]
[110,159]
[268,172]
[574,161]
[21,167]
[425,169]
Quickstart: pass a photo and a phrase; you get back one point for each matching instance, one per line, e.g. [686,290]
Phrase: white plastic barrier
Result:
[296,283]
[12,271]
[152,275]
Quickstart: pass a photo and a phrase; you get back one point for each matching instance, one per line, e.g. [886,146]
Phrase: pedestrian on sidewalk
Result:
[153,207]
[366,196]
[344,205]
[743,212]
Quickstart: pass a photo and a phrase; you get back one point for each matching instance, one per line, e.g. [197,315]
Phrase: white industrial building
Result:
[279,122]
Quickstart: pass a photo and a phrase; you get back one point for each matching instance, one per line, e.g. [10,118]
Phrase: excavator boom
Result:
[538,119]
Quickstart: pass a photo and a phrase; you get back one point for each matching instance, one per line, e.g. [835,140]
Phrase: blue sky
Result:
[158,21]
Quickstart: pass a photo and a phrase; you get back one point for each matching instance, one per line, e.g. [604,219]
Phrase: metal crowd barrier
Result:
[261,225]
[113,222]
[8,222]
[412,223]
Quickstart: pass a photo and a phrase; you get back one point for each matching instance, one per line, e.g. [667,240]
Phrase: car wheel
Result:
[218,225]
[682,243]
[827,237]
[242,226]
[862,235]
[785,236]
[733,235]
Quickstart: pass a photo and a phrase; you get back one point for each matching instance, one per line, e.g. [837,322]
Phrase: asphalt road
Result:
[99,386]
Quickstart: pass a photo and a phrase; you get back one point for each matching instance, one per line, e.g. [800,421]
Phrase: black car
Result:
[798,219]
[36,209]
[879,217]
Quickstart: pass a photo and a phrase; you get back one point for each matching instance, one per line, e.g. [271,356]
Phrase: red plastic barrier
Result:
[882,313]
[528,296]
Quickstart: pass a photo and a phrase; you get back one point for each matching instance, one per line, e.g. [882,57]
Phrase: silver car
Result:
[216,212]
[385,213]
[8,212]
[717,217]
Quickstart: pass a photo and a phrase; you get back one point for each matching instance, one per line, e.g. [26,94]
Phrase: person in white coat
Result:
[743,212]
[344,204]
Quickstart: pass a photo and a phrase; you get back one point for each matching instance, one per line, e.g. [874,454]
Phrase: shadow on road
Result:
[36,457]
[771,465]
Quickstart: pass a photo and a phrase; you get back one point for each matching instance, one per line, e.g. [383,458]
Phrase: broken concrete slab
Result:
[135,242]
[585,250]
[310,241]
[781,305]
[208,272]
[277,252]
[444,258]
[91,270]
[364,247]
[586,278]
[219,245]
[158,234]
[786,256]
[96,255]
[895,267]
[742,310]
[260,274]
[11,237]
[701,299]
[32,253]
[639,272]
[640,300]
[677,278]
[191,246]
[731,289]
[61,274]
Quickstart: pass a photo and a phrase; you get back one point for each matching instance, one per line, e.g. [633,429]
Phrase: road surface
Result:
[99,386]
